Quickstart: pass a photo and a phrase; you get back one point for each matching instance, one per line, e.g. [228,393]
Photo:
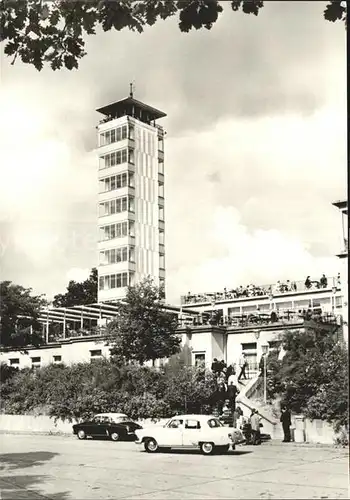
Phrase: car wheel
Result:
[151,446]
[114,436]
[207,448]
[81,434]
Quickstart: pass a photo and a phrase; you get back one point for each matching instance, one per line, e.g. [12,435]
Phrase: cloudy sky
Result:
[255,150]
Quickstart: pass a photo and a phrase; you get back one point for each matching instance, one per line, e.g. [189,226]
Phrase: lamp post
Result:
[264,349]
[257,336]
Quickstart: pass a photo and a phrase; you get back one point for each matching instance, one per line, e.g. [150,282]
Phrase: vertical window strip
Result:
[114,158]
[114,255]
[111,207]
[113,135]
[110,281]
[118,230]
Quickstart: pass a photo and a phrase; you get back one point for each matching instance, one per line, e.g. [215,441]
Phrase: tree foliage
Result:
[312,378]
[84,389]
[53,32]
[19,312]
[142,330]
[83,293]
[6,372]
[179,360]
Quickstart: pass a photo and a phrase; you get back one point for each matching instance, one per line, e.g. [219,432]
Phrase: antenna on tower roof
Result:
[131,90]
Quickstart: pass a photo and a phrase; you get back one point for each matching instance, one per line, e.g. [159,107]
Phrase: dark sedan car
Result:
[117,426]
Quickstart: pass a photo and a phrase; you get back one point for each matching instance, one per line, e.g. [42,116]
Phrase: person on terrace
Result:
[308,283]
[323,281]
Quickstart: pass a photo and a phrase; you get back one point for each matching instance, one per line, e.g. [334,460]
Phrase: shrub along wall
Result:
[81,390]
[312,377]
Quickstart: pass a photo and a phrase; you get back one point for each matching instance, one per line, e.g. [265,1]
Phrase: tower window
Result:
[113,182]
[116,206]
[118,280]
[161,237]
[115,158]
[131,132]
[114,256]
[114,135]
[119,230]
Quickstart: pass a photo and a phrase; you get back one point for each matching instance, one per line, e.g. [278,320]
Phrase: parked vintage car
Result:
[205,432]
[117,426]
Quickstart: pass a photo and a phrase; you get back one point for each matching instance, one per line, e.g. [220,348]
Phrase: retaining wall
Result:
[318,431]
[29,423]
[46,425]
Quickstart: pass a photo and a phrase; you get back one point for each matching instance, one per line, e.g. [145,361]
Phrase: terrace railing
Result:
[256,291]
[286,317]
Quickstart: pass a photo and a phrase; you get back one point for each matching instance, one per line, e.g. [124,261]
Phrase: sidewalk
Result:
[293,444]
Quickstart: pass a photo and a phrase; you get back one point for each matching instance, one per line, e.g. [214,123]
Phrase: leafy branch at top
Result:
[52,32]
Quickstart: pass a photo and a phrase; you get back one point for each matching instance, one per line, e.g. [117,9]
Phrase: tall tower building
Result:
[131,197]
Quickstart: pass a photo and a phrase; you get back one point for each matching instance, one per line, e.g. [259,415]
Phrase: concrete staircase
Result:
[248,398]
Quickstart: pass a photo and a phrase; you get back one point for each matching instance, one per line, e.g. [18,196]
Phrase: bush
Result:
[342,438]
[6,372]
[145,406]
[84,389]
[312,378]
[190,387]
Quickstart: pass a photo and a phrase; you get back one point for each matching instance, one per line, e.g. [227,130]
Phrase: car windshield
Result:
[214,422]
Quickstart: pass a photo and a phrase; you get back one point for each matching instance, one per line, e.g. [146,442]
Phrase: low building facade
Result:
[221,329]
[205,341]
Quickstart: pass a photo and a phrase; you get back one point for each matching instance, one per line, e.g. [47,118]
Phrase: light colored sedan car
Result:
[205,432]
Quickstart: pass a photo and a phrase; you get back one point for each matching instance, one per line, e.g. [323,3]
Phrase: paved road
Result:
[62,468]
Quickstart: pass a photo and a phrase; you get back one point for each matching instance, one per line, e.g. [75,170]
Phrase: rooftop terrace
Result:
[262,290]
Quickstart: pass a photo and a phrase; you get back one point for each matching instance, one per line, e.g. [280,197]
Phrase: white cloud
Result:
[78,274]
[258,256]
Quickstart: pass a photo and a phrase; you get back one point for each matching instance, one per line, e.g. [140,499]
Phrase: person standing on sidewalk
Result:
[243,365]
[237,417]
[255,423]
[232,392]
[230,370]
[246,429]
[220,396]
[286,423]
